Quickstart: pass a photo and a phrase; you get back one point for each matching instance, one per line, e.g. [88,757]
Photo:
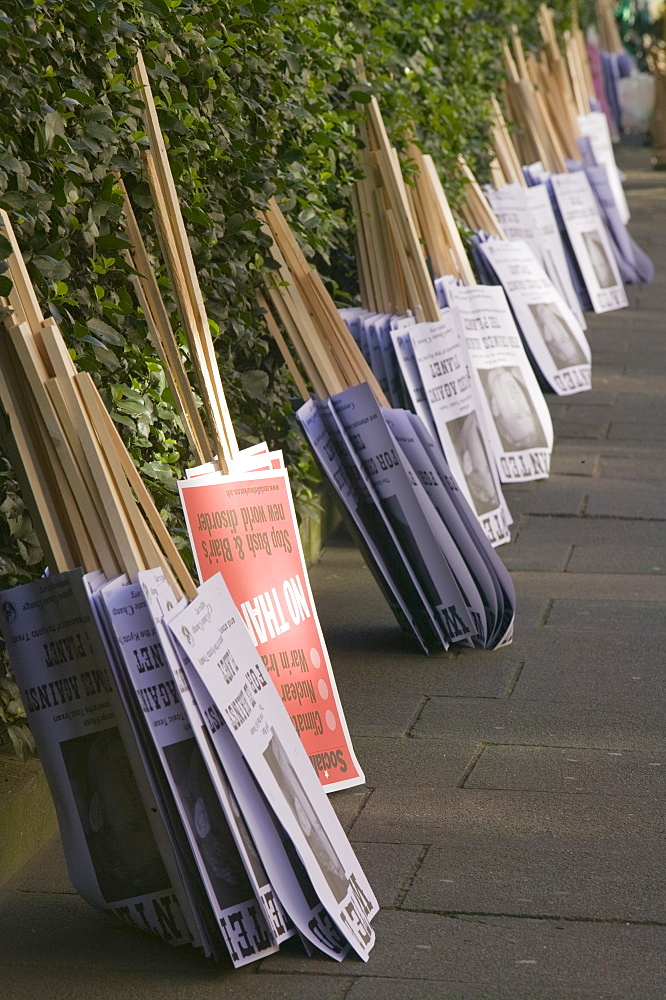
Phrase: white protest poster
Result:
[370,325]
[244,702]
[551,332]
[504,588]
[443,363]
[407,507]
[238,914]
[518,421]
[245,527]
[369,524]
[118,854]
[515,215]
[589,241]
[161,601]
[633,262]
[550,249]
[594,126]
[404,352]
[461,555]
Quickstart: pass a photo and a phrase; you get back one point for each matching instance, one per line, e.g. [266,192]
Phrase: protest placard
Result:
[556,343]
[526,214]
[162,603]
[594,126]
[589,241]
[634,264]
[245,527]
[519,425]
[502,582]
[443,364]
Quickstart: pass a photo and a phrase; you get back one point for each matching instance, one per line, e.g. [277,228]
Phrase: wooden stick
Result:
[162,336]
[109,435]
[174,226]
[32,466]
[22,298]
[276,333]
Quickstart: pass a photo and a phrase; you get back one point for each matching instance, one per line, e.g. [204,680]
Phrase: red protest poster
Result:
[244,527]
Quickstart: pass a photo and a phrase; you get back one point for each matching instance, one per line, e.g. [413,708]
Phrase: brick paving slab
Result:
[514,817]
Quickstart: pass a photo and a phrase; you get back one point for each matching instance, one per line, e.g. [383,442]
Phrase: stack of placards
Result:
[406,511]
[187,805]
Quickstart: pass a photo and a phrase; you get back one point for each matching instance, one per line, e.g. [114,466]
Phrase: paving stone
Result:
[562,770]
[348,803]
[621,430]
[379,988]
[407,761]
[541,722]
[642,406]
[597,413]
[588,545]
[568,877]
[388,867]
[73,983]
[563,495]
[577,430]
[624,670]
[606,498]
[636,468]
[521,955]
[417,816]
[572,458]
[604,615]
[638,588]
[45,872]
[597,559]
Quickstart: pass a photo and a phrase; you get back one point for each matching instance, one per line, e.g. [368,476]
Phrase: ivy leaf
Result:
[254,384]
[106,332]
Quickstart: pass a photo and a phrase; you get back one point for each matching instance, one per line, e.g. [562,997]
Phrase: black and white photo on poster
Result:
[589,240]
[513,412]
[565,350]
[445,369]
[115,824]
[547,325]
[520,429]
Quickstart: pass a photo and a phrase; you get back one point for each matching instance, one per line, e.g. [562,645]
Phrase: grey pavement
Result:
[512,824]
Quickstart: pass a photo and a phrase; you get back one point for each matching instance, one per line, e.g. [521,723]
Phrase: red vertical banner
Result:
[245,528]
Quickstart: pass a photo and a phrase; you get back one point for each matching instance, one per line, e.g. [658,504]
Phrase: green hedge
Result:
[255,99]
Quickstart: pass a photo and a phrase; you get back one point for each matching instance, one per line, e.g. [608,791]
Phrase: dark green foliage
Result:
[255,98]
